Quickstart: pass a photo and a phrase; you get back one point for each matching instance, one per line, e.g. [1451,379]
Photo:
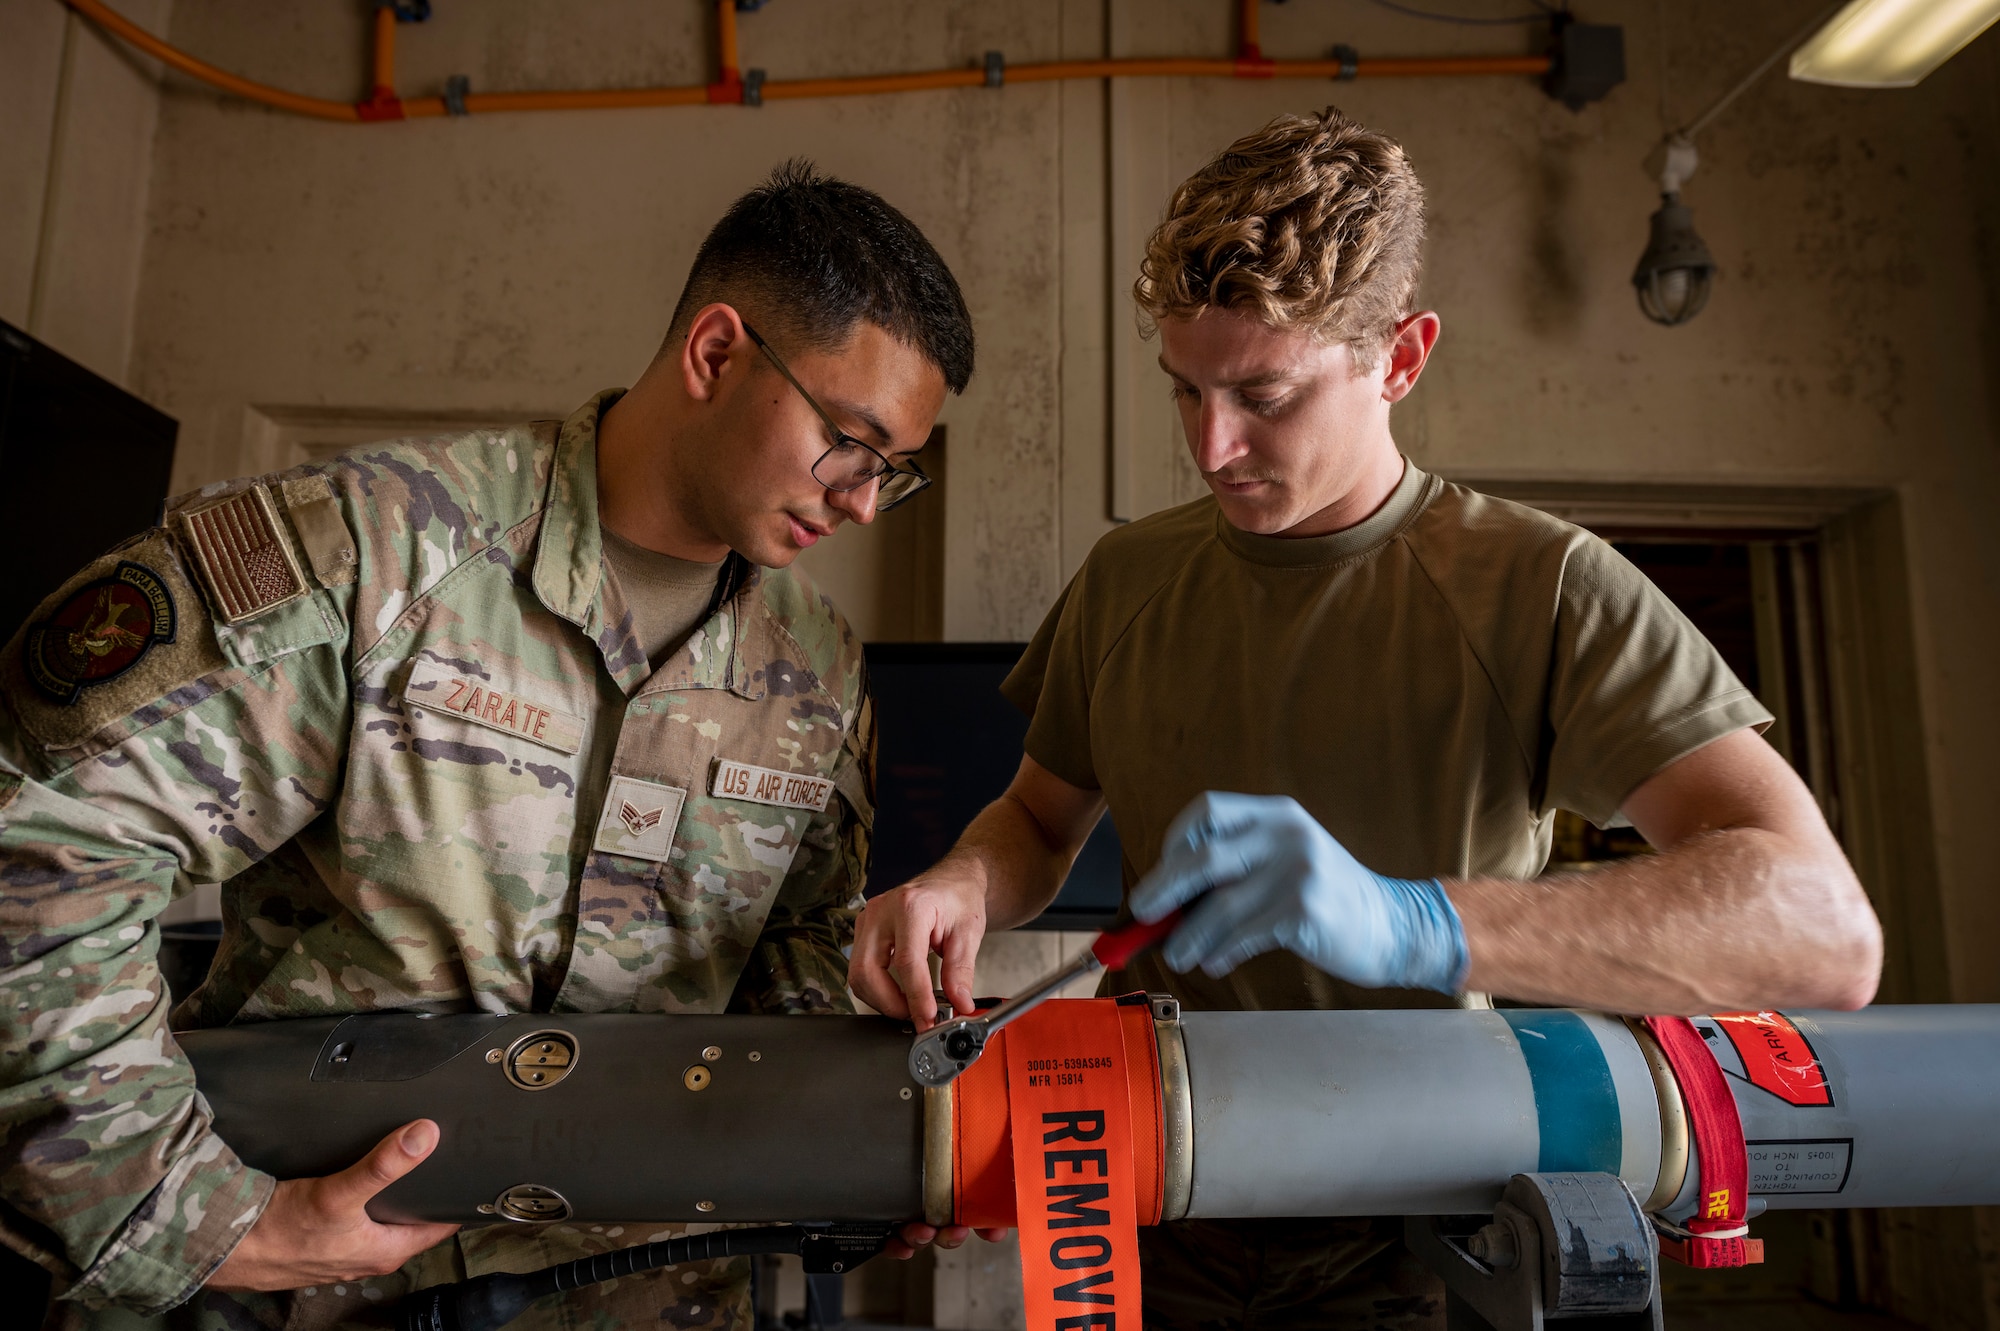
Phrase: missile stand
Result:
[1573,1248]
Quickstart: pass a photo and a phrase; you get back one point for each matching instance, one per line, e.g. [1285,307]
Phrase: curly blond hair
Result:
[1313,222]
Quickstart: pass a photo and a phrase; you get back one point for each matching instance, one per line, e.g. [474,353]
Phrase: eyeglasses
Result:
[850,464]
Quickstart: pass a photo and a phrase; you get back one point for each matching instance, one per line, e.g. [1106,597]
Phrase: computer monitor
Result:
[949,744]
[86,466]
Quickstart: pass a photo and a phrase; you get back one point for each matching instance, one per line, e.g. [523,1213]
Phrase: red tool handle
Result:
[1115,947]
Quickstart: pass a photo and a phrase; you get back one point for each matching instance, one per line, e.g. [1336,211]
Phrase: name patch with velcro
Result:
[440,689]
[764,785]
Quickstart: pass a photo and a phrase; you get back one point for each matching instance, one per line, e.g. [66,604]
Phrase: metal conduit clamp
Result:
[1559,1247]
[996,69]
[455,90]
[753,87]
[1350,63]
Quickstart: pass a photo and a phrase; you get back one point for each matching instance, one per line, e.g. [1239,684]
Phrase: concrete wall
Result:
[77,114]
[514,264]
[509,265]
[297,271]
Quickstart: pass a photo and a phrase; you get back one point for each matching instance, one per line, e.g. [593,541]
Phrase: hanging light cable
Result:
[1675,274]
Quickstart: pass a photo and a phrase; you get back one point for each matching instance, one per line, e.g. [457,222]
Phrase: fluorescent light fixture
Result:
[1890,43]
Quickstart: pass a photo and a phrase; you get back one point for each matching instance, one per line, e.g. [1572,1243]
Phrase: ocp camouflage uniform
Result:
[433,770]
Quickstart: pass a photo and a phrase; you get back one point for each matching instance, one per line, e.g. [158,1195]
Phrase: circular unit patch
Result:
[101,631]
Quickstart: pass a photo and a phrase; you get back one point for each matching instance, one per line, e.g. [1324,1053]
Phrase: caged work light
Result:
[1676,271]
[1862,44]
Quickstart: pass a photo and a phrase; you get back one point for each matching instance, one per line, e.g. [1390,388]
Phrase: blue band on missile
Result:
[1575,1102]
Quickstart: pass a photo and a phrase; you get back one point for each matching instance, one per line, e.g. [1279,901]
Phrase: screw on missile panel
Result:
[712,1053]
[538,1061]
[697,1078]
[704,1206]
[530,1203]
[905,1092]
[756,1057]
[495,1055]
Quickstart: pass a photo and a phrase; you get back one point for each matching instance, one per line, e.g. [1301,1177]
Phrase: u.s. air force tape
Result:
[765,785]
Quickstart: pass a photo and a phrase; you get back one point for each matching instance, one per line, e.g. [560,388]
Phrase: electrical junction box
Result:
[1589,61]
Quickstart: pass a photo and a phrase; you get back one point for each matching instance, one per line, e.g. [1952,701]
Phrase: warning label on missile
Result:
[1776,1057]
[1075,1184]
[1816,1165]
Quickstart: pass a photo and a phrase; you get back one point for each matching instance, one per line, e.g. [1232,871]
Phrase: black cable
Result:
[1542,14]
[491,1301]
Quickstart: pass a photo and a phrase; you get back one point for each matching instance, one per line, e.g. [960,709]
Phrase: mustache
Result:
[1241,477]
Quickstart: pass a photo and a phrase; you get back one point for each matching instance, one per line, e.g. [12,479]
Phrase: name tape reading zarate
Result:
[1075,1186]
[478,700]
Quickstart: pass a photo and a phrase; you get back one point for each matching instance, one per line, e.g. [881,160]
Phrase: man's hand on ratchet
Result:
[1267,875]
[891,972]
[317,1231]
[942,911]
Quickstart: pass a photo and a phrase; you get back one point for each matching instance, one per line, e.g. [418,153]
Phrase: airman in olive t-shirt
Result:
[1334,707]
[1494,663]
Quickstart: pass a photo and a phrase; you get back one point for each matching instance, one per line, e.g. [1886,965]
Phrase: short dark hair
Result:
[811,256]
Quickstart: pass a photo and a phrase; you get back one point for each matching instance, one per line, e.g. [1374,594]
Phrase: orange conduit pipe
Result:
[119,26]
[385,51]
[383,104]
[730,86]
[1248,48]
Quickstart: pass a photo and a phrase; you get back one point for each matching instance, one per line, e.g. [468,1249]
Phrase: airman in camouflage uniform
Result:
[434,771]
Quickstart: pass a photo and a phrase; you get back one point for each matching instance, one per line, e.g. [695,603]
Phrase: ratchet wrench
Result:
[949,1048]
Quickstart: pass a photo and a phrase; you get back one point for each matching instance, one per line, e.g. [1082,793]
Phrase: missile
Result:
[780,1119]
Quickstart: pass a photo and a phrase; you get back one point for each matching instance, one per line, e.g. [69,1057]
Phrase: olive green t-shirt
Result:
[1432,684]
[669,597]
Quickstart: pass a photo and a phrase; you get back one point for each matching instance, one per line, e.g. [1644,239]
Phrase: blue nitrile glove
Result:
[1273,877]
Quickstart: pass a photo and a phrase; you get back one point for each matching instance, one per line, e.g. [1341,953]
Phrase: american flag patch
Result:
[244,559]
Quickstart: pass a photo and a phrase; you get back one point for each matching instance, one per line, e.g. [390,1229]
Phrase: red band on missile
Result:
[1716,1235]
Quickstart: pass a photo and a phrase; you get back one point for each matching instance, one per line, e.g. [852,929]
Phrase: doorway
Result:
[1757,597]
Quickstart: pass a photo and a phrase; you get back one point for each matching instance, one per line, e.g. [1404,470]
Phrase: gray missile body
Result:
[682,1118]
